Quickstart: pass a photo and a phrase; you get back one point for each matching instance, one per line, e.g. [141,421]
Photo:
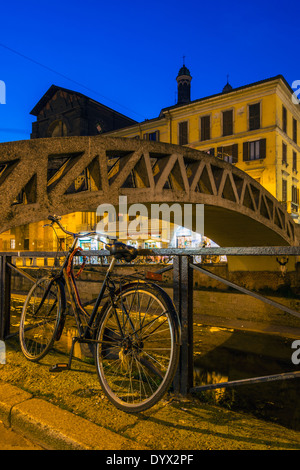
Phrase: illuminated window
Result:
[254,150]
[229,153]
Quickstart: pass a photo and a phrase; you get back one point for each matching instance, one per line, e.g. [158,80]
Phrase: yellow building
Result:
[255,127]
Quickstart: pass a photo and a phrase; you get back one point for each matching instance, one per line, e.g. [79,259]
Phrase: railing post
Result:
[183,300]
[5,291]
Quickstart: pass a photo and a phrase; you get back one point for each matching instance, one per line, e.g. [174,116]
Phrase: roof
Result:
[277,77]
[54,88]
[183,71]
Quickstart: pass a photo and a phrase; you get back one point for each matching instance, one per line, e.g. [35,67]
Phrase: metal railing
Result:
[183,267]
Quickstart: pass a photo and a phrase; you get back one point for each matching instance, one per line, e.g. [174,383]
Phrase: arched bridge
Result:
[72,174]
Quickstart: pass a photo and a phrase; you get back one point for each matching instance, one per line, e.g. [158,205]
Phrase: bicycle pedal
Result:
[59,367]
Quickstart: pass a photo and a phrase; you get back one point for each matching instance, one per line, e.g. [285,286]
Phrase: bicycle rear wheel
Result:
[40,319]
[138,347]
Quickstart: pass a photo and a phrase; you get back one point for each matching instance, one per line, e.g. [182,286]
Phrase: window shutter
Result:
[284,152]
[245,151]
[254,116]
[284,118]
[227,122]
[295,130]
[205,128]
[235,149]
[262,148]
[183,133]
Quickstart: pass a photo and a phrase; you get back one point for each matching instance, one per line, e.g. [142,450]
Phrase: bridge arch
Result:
[74,174]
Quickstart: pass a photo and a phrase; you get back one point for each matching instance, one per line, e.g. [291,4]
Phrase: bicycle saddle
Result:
[121,251]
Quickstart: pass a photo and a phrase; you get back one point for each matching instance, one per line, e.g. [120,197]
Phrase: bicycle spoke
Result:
[39,320]
[135,368]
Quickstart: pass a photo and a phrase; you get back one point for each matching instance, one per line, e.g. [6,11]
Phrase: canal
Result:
[224,354]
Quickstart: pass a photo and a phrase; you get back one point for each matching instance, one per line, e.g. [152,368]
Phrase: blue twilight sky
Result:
[126,54]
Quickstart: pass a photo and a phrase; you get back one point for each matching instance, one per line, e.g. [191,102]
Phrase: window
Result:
[284,153]
[154,136]
[295,195]
[284,119]
[295,199]
[295,130]
[255,150]
[295,161]
[57,129]
[284,190]
[227,122]
[254,116]
[12,243]
[229,153]
[205,128]
[183,133]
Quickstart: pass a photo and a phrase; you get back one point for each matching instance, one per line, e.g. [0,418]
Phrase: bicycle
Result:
[134,335]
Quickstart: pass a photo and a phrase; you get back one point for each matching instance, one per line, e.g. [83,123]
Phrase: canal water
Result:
[224,354]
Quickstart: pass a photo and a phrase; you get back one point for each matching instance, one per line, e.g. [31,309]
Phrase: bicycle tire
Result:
[136,370]
[40,322]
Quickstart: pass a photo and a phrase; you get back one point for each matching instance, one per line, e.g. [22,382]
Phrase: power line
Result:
[66,77]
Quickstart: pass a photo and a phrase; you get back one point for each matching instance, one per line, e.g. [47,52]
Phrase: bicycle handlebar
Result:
[56,219]
[118,250]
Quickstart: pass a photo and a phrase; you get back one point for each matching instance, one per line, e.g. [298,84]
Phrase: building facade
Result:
[62,112]
[255,127]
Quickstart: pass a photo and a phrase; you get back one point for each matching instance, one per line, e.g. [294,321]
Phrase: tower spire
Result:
[227,87]
[184,84]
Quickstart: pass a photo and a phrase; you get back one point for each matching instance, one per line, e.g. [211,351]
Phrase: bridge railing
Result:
[183,266]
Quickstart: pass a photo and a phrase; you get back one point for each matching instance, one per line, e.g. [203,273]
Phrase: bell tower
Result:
[184,85]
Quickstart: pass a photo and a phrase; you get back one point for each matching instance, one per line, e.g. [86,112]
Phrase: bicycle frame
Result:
[67,278]
[74,297]
[132,327]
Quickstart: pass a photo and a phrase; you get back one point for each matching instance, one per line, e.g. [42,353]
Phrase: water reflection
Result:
[236,355]
[205,377]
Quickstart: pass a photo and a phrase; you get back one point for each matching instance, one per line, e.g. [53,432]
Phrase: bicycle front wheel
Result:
[138,347]
[40,319]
